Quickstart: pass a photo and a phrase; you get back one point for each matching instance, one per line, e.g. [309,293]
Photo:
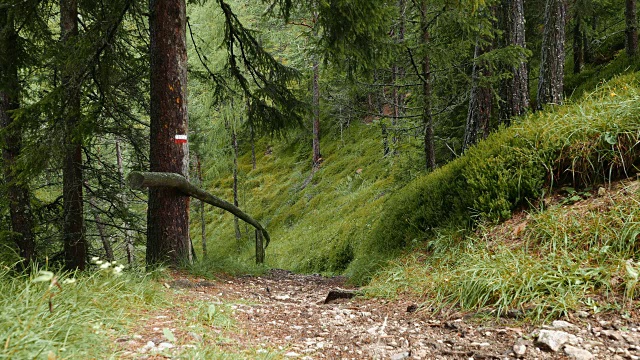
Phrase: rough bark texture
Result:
[168,212]
[551,79]
[140,180]
[398,76]
[515,91]
[631,27]
[480,103]
[75,245]
[427,117]
[17,193]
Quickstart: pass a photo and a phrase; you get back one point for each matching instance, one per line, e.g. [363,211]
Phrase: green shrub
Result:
[580,144]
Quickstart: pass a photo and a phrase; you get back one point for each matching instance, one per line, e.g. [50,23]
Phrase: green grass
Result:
[74,316]
[314,228]
[566,258]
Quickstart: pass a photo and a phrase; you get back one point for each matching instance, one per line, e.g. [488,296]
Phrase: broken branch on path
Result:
[139,180]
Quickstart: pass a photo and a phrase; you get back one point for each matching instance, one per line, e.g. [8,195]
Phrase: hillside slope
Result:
[354,212]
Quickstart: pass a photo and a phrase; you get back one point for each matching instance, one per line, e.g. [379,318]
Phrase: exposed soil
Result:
[285,314]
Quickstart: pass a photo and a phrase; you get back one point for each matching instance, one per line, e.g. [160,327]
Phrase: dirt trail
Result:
[285,313]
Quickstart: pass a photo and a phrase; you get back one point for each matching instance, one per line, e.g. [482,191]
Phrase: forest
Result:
[182,179]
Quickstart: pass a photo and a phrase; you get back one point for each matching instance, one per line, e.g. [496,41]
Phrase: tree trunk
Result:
[128,236]
[253,147]
[480,102]
[398,75]
[17,192]
[203,225]
[168,211]
[578,46]
[427,117]
[631,27]
[75,245]
[140,180]
[234,143]
[106,245]
[551,79]
[316,114]
[515,91]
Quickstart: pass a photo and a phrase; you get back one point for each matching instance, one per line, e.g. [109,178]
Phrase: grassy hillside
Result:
[354,214]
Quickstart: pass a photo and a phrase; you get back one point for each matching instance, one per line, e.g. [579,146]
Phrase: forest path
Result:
[282,315]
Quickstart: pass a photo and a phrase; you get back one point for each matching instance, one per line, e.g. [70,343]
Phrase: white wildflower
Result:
[68,281]
[105,265]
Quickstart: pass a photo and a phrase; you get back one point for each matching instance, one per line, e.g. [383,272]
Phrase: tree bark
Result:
[398,75]
[17,193]
[168,211]
[75,245]
[515,90]
[139,180]
[427,116]
[631,30]
[551,79]
[480,103]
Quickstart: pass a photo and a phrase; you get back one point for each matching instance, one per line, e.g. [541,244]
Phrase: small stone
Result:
[519,349]
[292,354]
[554,340]
[577,353]
[582,314]
[560,324]
[164,345]
[613,335]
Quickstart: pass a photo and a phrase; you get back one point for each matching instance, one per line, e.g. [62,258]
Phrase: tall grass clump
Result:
[551,262]
[588,142]
[68,315]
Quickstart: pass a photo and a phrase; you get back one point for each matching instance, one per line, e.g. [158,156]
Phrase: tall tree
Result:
[75,245]
[480,100]
[551,79]
[168,212]
[427,116]
[17,192]
[631,18]
[515,89]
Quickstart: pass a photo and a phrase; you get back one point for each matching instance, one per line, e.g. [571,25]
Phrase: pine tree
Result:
[515,89]
[168,213]
[17,191]
[551,79]
[75,246]
[631,19]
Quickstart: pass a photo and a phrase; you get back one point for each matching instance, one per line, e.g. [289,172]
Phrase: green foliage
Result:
[563,259]
[69,315]
[581,144]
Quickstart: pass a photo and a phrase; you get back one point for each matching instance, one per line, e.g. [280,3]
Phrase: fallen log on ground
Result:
[139,180]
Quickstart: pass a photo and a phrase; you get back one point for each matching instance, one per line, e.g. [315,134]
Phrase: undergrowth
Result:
[546,264]
[588,142]
[68,315]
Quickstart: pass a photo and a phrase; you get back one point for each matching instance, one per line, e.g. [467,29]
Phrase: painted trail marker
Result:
[181,139]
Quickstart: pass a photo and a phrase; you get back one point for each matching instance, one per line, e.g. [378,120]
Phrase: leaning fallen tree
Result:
[138,180]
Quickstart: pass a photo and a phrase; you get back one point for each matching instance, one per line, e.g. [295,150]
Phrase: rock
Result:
[291,354]
[554,340]
[164,345]
[582,314]
[519,349]
[559,324]
[400,356]
[577,353]
[613,335]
